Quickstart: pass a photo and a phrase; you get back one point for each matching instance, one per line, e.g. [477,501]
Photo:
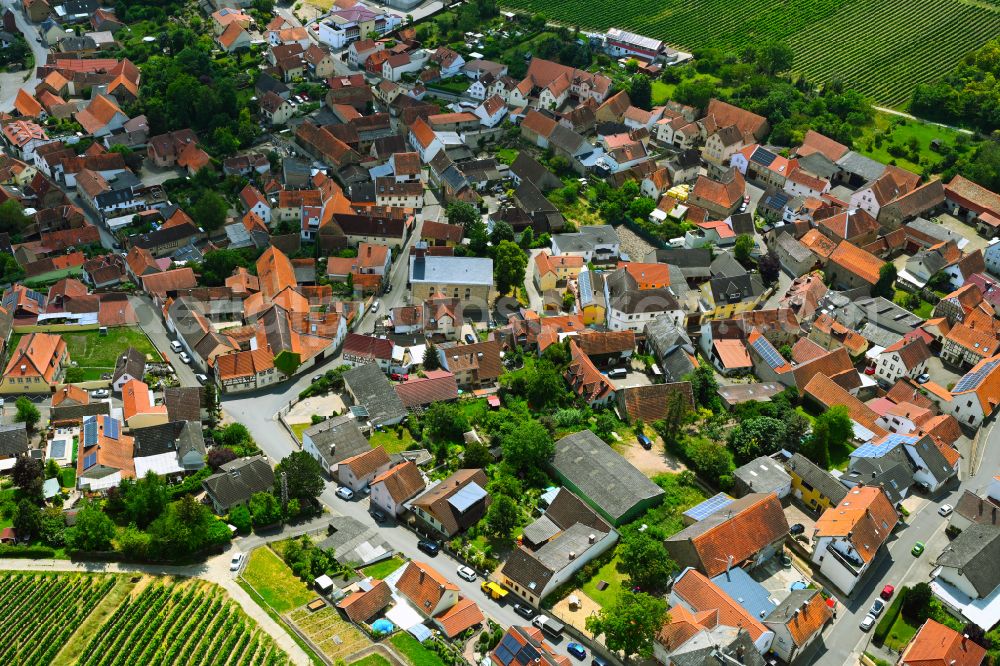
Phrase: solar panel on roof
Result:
[709,506]
[89,460]
[466,497]
[528,654]
[90,433]
[763,157]
[768,352]
[111,427]
[974,379]
[507,649]
[58,448]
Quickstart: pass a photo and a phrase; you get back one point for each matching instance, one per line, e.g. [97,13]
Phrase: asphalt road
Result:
[846,642]
[151,323]
[13,82]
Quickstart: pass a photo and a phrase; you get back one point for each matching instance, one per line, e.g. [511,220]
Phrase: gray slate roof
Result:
[238,480]
[373,391]
[132,362]
[817,477]
[13,440]
[354,542]
[587,238]
[892,471]
[859,165]
[338,438]
[763,475]
[975,553]
[182,437]
[608,482]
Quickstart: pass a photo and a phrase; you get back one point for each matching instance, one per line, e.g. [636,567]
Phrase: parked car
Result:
[429,547]
[524,611]
[870,370]
[345,493]
[316,378]
[375,305]
[466,573]
[399,377]
[645,442]
[202,379]
[100,393]
[176,346]
[867,623]
[945,510]
[917,549]
[797,528]
[886,592]
[469,339]
[599,661]
[236,562]
[378,516]
[877,607]
[923,379]
[618,373]
[185,359]
[577,651]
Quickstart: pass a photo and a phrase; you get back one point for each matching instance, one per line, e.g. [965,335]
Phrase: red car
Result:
[887,592]
[870,370]
[398,377]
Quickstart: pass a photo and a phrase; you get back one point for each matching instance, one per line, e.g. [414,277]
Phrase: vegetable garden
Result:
[41,612]
[883,49]
[190,623]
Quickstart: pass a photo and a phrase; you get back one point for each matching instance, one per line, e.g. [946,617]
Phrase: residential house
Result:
[745,534]
[333,441]
[131,365]
[438,599]
[468,278]
[475,365]
[369,389]
[966,580]
[585,380]
[36,365]
[138,406]
[525,646]
[721,198]
[245,370]
[392,490]
[850,267]
[13,444]
[848,537]
[797,622]
[908,358]
[172,449]
[606,481]
[361,349]
[812,485]
[105,454]
[237,481]
[762,475]
[454,504]
[555,546]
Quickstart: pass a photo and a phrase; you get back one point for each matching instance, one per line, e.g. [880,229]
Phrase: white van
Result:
[176,346]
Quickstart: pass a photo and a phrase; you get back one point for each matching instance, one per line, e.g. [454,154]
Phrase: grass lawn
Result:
[900,634]
[414,652]
[390,441]
[371,660]
[840,457]
[805,414]
[68,477]
[96,354]
[662,92]
[275,582]
[902,132]
[506,155]
[298,429]
[382,569]
[610,574]
[474,410]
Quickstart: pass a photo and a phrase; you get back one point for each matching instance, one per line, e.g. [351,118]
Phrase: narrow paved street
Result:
[846,642]
[12,82]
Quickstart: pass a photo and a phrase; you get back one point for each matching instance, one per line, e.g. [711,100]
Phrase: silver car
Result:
[867,623]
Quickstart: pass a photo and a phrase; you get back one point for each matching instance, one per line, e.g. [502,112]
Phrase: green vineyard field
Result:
[883,48]
[160,623]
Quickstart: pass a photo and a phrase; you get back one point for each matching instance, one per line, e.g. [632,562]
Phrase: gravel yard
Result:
[632,245]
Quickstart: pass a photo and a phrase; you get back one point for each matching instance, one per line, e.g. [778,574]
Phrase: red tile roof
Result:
[938,645]
[865,517]
[461,616]
[701,594]
[742,536]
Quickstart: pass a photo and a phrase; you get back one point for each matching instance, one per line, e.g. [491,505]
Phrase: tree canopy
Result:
[630,623]
[304,476]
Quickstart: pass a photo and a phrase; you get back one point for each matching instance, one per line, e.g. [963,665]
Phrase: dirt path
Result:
[652,462]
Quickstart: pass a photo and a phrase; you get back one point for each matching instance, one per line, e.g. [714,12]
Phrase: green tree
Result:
[144,499]
[885,286]
[446,421]
[219,265]
[264,509]
[502,517]
[527,449]
[744,246]
[10,270]
[52,469]
[645,560]
[431,359]
[239,518]
[12,218]
[710,459]
[770,267]
[235,436]
[605,424]
[461,212]
[502,231]
[209,212]
[28,476]
[917,603]
[184,528]
[509,265]
[527,238]
[630,623]
[705,387]
[134,544]
[476,456]
[27,413]
[695,92]
[774,57]
[93,530]
[755,437]
[27,520]
[53,530]
[640,92]
[303,474]
[504,484]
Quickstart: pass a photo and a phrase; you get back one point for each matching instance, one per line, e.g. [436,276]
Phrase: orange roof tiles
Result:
[938,645]
[243,363]
[36,355]
[167,281]
[818,243]
[424,586]
[135,400]
[809,619]
[70,393]
[742,536]
[733,354]
[361,606]
[367,462]
[865,517]
[275,272]
[401,482]
[701,594]
[814,142]
[828,393]
[458,618]
[855,260]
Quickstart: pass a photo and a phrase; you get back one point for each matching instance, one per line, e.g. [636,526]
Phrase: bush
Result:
[30,552]
[889,619]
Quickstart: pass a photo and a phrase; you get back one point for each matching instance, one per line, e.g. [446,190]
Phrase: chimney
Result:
[994,515]
[980,506]
[591,538]
[421,579]
[572,555]
[965,637]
